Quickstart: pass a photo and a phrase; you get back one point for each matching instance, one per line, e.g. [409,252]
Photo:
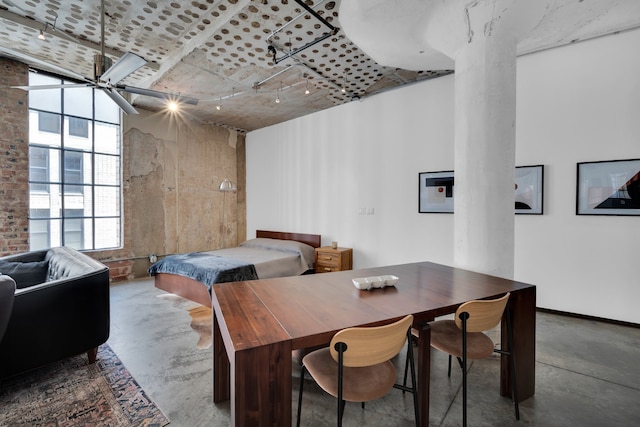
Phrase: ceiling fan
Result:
[106,75]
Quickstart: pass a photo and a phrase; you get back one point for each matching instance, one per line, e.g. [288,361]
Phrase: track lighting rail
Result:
[332,31]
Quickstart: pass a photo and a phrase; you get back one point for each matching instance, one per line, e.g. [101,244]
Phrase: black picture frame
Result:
[529,190]
[435,192]
[608,187]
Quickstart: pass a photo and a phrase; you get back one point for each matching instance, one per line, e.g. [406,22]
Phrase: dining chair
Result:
[465,338]
[357,367]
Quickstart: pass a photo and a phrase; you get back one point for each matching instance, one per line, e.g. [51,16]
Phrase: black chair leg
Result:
[406,363]
[406,368]
[514,387]
[512,363]
[449,369]
[341,412]
[340,347]
[464,316]
[414,386]
[410,362]
[302,372]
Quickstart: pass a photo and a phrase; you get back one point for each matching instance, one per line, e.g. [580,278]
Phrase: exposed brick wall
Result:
[14,151]
[120,270]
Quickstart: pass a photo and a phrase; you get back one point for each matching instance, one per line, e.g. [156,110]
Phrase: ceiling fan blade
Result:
[30,60]
[40,87]
[161,95]
[127,64]
[119,99]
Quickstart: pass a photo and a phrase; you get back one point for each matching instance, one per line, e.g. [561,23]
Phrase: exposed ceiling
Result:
[218,50]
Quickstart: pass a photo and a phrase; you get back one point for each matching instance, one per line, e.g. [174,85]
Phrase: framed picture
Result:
[529,189]
[435,192]
[608,188]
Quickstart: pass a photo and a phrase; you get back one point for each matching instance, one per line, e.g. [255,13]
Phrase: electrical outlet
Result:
[153,258]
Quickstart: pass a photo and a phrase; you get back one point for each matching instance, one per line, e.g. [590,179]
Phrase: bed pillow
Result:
[306,252]
[25,274]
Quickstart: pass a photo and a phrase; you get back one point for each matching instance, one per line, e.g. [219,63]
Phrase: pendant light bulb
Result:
[41,36]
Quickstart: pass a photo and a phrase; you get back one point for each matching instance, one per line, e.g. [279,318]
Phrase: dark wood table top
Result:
[309,310]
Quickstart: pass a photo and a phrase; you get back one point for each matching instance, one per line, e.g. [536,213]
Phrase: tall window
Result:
[74,167]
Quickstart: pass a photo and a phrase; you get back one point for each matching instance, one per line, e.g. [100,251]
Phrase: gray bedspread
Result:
[205,268]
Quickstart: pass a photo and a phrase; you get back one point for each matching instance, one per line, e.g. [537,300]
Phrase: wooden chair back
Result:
[483,314]
[368,346]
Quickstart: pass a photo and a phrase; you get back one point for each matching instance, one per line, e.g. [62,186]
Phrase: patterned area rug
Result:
[201,318]
[72,393]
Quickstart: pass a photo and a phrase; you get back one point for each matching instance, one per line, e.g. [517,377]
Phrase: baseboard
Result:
[586,317]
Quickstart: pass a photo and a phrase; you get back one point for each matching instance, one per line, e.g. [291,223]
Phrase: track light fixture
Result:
[41,36]
[272,51]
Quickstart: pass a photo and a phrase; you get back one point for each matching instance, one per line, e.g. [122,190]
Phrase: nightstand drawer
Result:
[328,260]
[322,269]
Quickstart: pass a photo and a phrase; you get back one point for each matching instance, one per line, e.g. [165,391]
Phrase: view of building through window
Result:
[74,167]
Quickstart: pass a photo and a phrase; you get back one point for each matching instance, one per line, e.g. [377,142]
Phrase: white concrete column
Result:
[485,105]
[480,37]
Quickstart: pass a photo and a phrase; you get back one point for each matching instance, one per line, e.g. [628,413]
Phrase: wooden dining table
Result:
[258,323]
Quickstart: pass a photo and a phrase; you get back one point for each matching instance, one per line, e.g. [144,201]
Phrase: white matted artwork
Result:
[529,190]
[608,188]
[435,192]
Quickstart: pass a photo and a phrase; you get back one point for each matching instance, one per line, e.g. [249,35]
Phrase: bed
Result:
[270,254]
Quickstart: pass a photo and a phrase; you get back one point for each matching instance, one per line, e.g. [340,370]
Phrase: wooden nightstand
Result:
[329,259]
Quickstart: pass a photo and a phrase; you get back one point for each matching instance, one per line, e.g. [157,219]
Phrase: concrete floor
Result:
[587,374]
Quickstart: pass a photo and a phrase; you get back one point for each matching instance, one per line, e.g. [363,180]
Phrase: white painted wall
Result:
[576,103]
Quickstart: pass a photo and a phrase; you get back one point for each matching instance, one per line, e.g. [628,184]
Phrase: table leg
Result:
[424,373]
[523,315]
[221,380]
[261,386]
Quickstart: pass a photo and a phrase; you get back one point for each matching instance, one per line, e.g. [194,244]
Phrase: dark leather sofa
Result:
[60,308]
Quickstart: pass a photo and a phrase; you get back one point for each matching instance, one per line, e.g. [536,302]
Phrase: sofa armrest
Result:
[7,292]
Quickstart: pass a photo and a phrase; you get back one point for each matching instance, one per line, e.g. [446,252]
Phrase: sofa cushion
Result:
[25,274]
